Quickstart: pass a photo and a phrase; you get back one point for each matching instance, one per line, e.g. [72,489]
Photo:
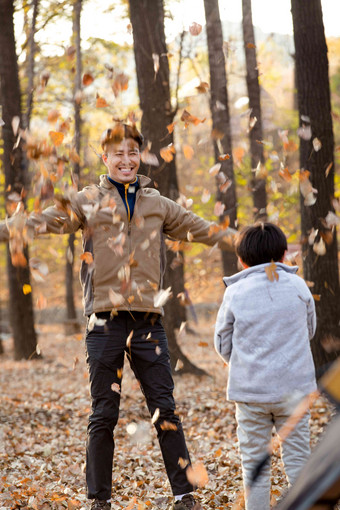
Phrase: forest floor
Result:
[44,405]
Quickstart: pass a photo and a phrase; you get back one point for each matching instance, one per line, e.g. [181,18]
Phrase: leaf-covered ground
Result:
[43,417]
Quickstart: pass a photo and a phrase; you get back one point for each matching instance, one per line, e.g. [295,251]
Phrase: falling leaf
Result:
[87,257]
[285,174]
[1,122]
[95,321]
[149,158]
[328,169]
[26,288]
[70,52]
[100,102]
[179,365]
[188,151]
[316,144]
[44,77]
[53,116]
[223,157]
[316,297]
[155,58]
[203,87]
[128,340]
[167,425]
[116,298]
[171,127]
[238,153]
[290,146]
[183,463]
[305,132]
[319,247]
[120,83]
[252,122]
[155,416]
[206,195]
[15,124]
[197,475]
[215,169]
[167,153]
[161,297]
[271,272]
[87,79]
[190,237]
[115,387]
[203,344]
[56,137]
[219,209]
[332,220]
[187,118]
[251,45]
[327,236]
[195,28]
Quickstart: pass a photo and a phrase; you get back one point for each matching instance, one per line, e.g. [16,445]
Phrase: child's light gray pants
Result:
[254,431]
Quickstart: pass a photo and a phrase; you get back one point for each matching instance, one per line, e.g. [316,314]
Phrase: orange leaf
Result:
[56,137]
[251,45]
[87,257]
[53,115]
[223,157]
[285,174]
[100,102]
[87,79]
[188,151]
[167,152]
[197,475]
[190,119]
[171,127]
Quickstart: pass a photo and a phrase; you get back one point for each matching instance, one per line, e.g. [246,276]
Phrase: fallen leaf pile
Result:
[44,406]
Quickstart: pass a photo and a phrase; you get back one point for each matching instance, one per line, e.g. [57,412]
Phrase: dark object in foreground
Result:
[318,486]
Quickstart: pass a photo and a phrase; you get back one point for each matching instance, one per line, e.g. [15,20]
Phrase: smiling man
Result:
[123,223]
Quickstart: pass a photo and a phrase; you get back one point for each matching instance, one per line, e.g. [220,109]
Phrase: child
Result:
[263,330]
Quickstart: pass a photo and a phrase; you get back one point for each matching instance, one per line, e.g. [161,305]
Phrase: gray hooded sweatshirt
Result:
[263,331]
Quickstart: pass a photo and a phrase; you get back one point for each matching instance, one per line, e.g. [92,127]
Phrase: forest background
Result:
[45,404]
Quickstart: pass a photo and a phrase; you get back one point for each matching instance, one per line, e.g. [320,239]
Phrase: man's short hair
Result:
[118,133]
[260,243]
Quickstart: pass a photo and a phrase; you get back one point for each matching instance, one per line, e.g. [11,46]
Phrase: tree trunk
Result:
[315,115]
[16,179]
[147,19]
[72,324]
[219,105]
[30,66]
[258,183]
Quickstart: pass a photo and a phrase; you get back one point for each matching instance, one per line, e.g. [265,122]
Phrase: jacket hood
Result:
[105,183]
[260,268]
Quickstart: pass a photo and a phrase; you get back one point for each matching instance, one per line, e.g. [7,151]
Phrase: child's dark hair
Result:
[261,243]
[118,133]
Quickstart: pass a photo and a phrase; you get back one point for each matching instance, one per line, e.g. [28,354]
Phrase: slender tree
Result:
[219,105]
[16,180]
[317,157]
[152,66]
[72,322]
[258,183]
[30,64]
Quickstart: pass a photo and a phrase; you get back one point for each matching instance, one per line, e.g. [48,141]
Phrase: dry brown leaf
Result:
[87,79]
[101,101]
[271,272]
[195,28]
[188,151]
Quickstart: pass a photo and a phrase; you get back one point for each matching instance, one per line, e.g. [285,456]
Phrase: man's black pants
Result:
[147,351]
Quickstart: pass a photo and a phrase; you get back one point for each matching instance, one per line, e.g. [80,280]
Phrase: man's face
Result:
[122,160]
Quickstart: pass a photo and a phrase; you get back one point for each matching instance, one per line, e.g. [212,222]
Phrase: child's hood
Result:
[260,268]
